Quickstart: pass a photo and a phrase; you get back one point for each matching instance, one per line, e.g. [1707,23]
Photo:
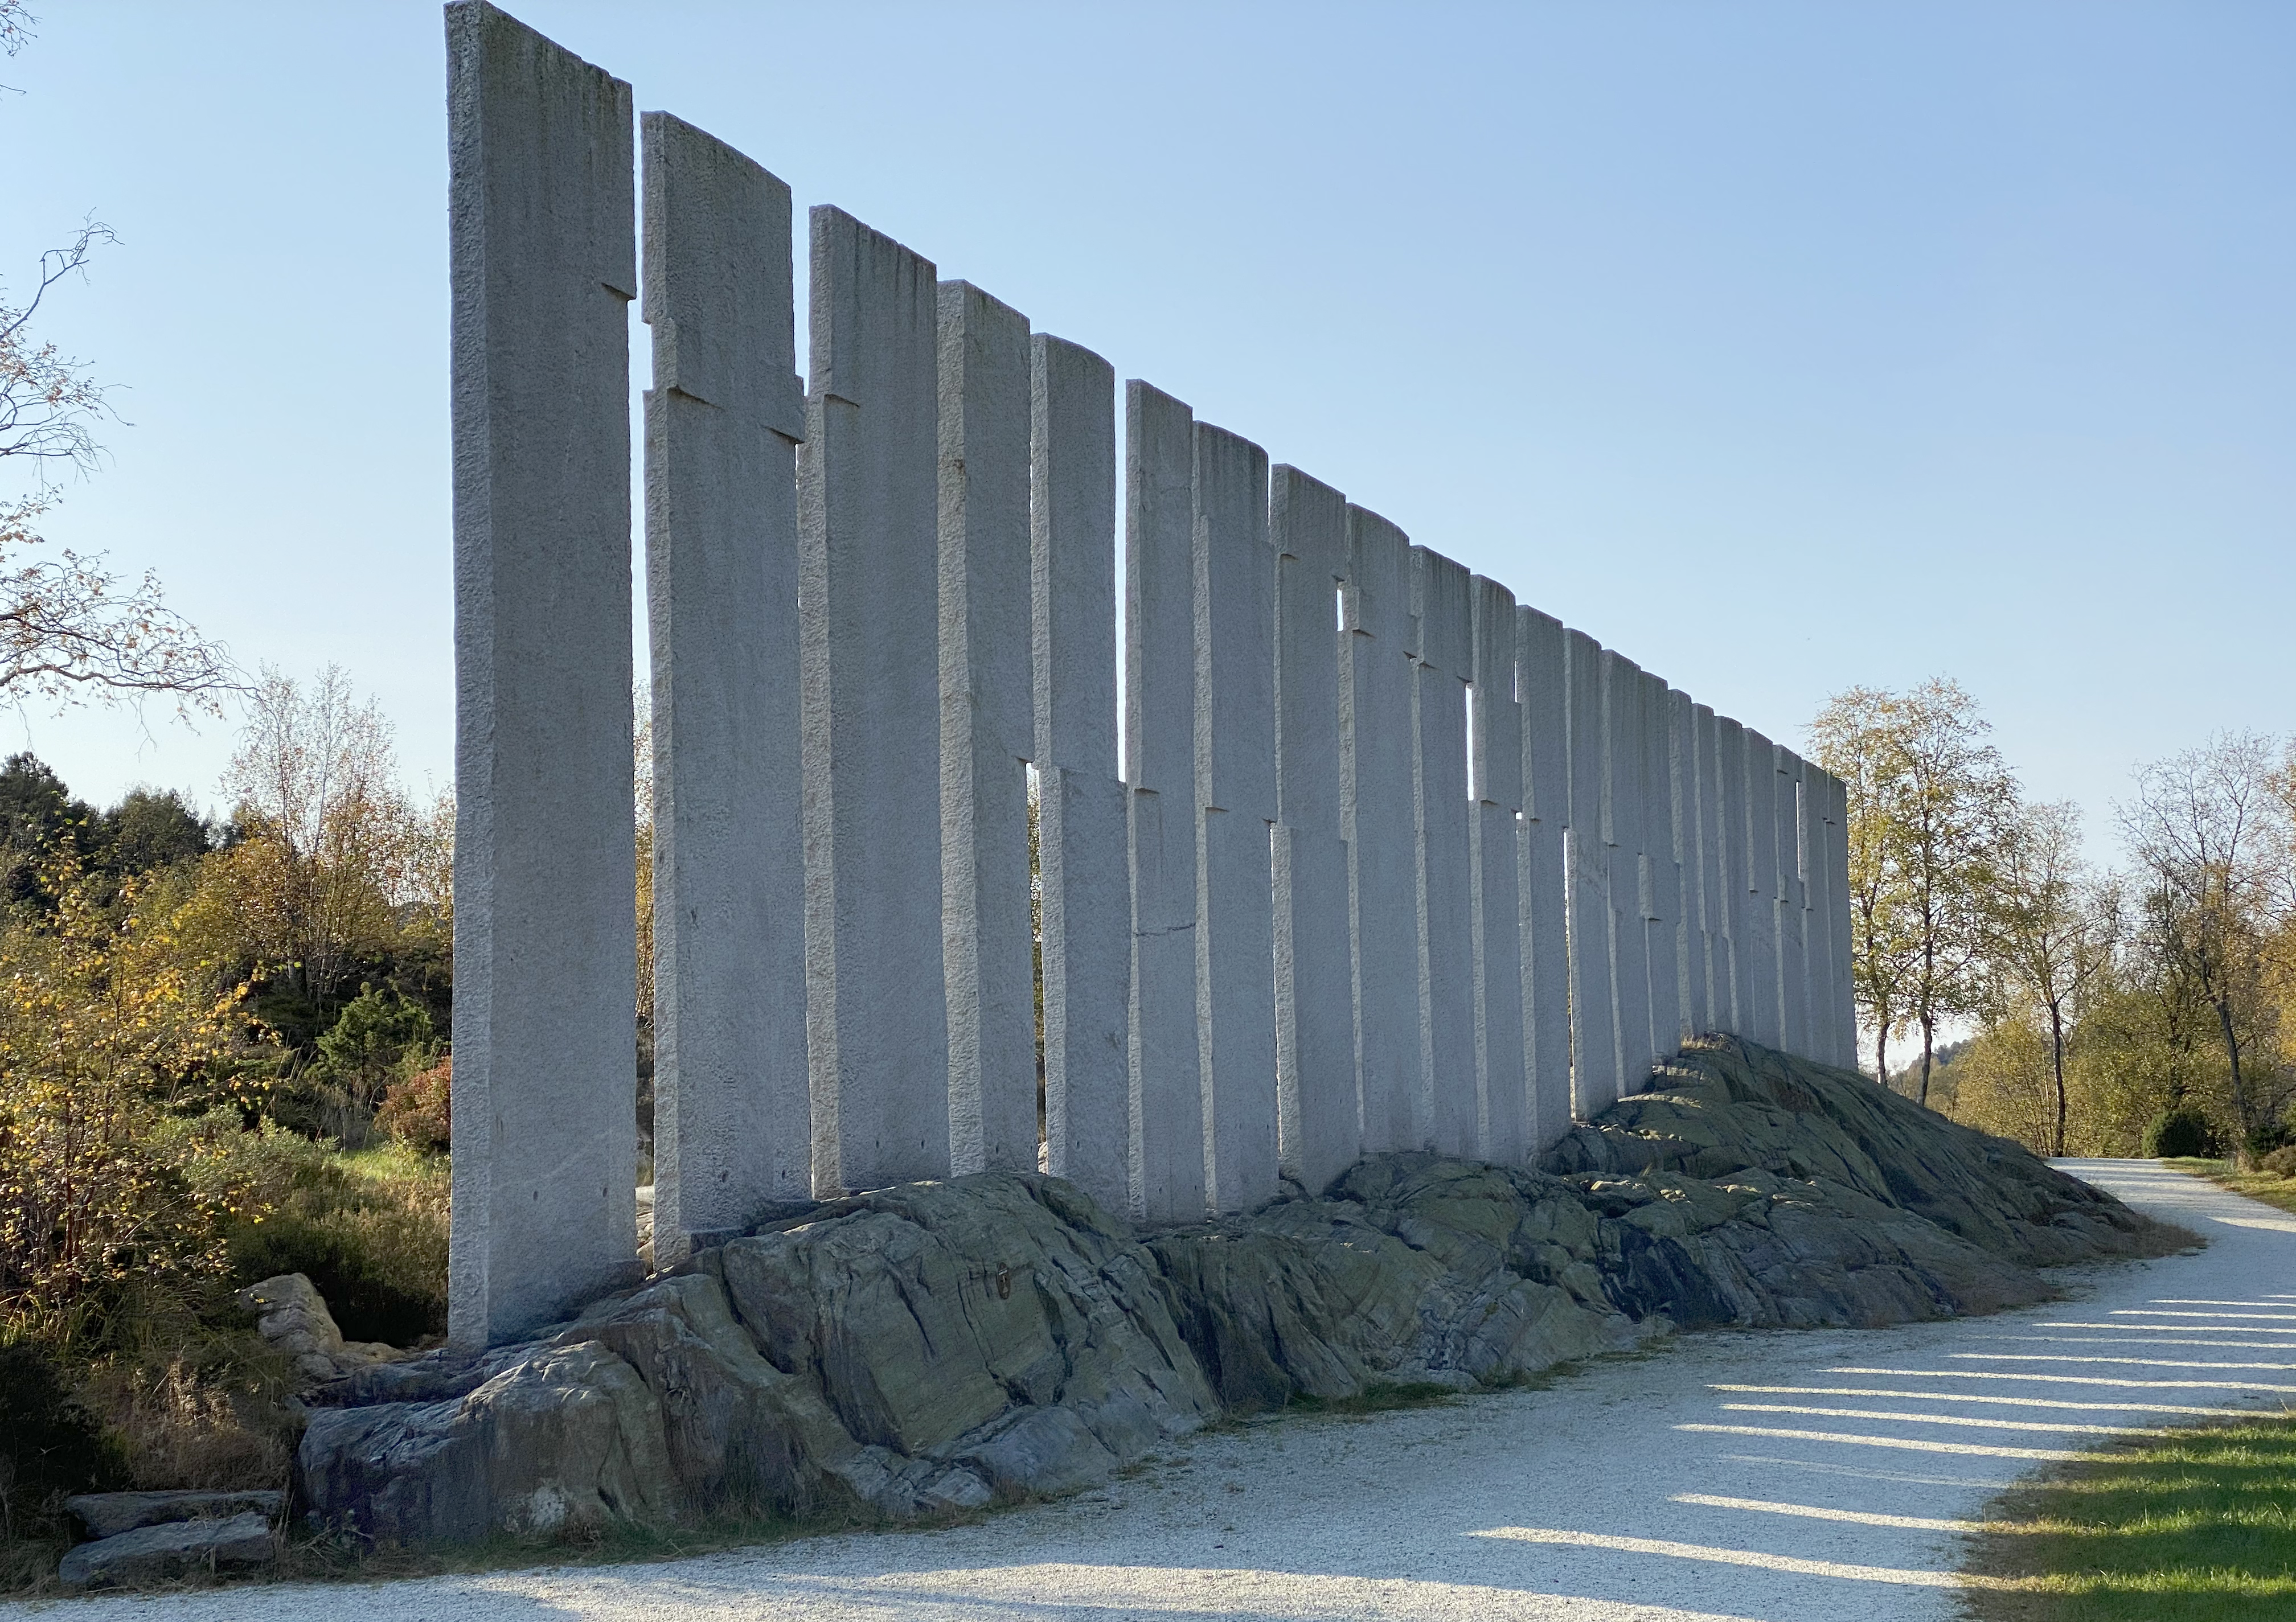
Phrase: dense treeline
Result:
[2149,1008]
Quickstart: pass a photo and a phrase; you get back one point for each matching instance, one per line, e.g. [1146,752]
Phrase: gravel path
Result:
[1791,1476]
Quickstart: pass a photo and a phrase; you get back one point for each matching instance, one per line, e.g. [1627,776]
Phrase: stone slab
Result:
[1319,1126]
[1081,853]
[731,1116]
[175,1549]
[1594,1008]
[869,634]
[1793,902]
[1443,612]
[1164,1089]
[1662,872]
[1379,820]
[1544,936]
[1758,954]
[109,1514]
[1082,815]
[1733,1011]
[1072,555]
[987,729]
[1235,789]
[1624,804]
[1504,1113]
[542,245]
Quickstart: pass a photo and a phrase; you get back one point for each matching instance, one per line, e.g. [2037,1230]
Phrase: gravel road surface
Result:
[1792,1477]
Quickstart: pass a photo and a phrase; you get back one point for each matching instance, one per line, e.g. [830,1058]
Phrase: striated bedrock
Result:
[939,1347]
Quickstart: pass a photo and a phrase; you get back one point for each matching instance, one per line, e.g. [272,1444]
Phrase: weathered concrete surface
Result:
[940,1346]
[1081,803]
[1544,938]
[1164,1071]
[1235,791]
[1319,1129]
[988,730]
[869,610]
[1593,1007]
[1623,802]
[1503,1108]
[731,1131]
[1443,629]
[543,250]
[1379,819]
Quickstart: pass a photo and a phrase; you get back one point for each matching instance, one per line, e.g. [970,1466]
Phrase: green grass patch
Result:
[2270,1187]
[2199,1526]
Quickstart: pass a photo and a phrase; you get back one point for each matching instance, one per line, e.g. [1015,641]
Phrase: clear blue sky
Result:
[1782,347]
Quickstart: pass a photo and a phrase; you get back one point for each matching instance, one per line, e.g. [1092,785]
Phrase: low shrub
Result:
[2280,1162]
[369,1230]
[419,1110]
[49,1444]
[2183,1134]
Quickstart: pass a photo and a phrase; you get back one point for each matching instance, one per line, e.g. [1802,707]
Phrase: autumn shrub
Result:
[418,1110]
[108,1026]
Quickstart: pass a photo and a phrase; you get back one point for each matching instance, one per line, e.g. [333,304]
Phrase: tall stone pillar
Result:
[542,247]
[1504,1119]
[1442,618]
[1379,819]
[1081,818]
[731,1133]
[869,606]
[1235,795]
[1662,872]
[1319,1124]
[1793,964]
[1682,715]
[1843,972]
[1816,917]
[1624,802]
[1594,1006]
[1713,944]
[1735,1014]
[1760,955]
[988,731]
[1165,1068]
[1544,936]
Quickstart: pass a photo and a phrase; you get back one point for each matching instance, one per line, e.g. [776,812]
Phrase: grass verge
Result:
[2198,1526]
[2269,1187]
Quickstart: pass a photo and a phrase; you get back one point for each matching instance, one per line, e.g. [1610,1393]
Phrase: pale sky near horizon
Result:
[1782,347]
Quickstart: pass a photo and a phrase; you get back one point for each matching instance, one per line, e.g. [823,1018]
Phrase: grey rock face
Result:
[109,1514]
[154,1553]
[942,1345]
[292,1315]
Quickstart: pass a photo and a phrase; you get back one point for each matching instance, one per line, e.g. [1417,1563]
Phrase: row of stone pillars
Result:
[1394,861]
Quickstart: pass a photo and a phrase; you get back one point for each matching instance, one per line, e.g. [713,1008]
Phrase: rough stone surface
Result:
[940,1346]
[291,1316]
[732,1124]
[868,621]
[109,1514]
[543,252]
[154,1553]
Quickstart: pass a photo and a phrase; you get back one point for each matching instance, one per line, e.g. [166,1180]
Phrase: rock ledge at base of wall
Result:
[937,1347]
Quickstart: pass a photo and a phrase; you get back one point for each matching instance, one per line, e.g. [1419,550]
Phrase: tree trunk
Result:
[1881,1054]
[2057,1060]
[2232,1051]
[1929,1041]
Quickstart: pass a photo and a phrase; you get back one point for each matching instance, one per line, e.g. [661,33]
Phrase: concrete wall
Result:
[1394,860]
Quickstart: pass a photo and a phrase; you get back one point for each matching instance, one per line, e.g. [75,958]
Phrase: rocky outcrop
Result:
[943,1346]
[293,1317]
